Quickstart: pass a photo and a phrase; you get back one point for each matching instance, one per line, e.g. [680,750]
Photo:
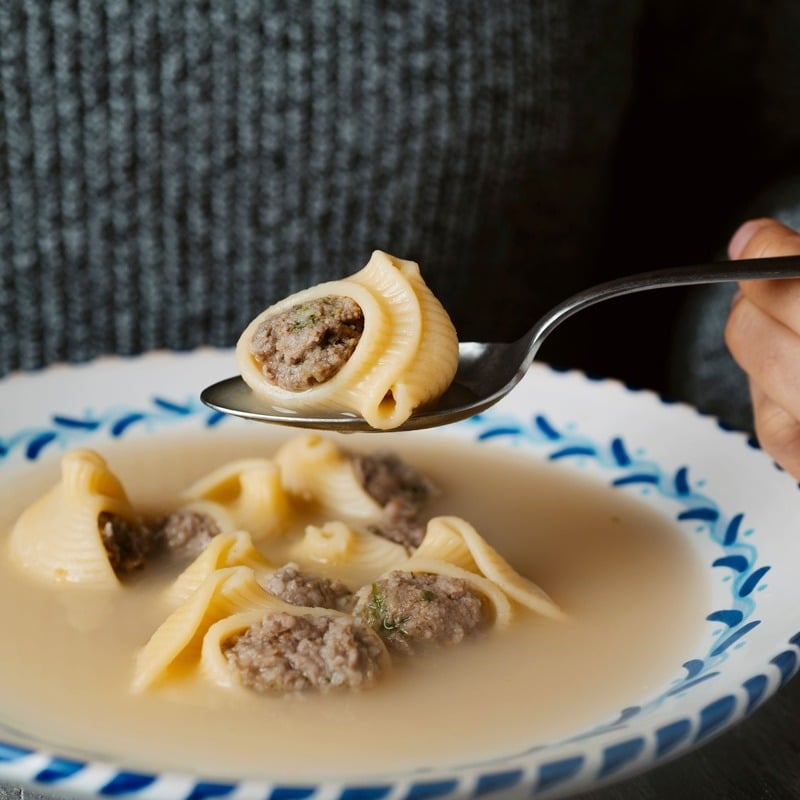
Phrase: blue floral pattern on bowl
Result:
[618,747]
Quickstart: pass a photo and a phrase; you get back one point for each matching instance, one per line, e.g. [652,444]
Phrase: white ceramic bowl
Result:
[738,509]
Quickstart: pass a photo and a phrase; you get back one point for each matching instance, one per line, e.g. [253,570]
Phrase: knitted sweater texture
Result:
[167,169]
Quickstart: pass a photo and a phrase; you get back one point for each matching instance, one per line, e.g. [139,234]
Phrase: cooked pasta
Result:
[226,550]
[248,495]
[174,648]
[356,553]
[60,537]
[377,343]
[299,576]
[317,471]
[455,541]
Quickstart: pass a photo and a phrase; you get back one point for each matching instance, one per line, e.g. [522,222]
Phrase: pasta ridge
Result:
[72,551]
[175,646]
[233,549]
[406,355]
[249,494]
[455,540]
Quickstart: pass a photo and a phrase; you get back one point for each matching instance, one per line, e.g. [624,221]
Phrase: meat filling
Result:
[186,533]
[412,611]
[402,492]
[127,543]
[308,343]
[304,589]
[288,653]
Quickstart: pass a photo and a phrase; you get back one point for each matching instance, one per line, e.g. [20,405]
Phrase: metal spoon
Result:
[489,370]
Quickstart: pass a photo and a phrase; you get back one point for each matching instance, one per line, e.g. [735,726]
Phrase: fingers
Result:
[767,238]
[763,335]
[768,351]
[763,238]
[777,430]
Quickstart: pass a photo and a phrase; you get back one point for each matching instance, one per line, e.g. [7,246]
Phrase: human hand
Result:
[763,336]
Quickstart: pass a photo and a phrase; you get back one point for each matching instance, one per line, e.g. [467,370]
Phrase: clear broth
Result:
[626,576]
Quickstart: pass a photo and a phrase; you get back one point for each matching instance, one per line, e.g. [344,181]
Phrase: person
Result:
[168,169]
[763,335]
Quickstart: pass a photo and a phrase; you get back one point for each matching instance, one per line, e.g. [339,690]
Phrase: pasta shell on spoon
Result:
[377,343]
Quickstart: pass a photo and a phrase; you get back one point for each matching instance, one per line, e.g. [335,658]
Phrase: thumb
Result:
[763,238]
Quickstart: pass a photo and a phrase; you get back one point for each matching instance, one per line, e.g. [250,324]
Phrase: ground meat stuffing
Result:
[304,589]
[411,611]
[308,343]
[128,543]
[186,533]
[402,492]
[287,653]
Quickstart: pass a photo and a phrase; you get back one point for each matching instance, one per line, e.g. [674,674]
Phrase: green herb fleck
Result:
[305,318]
[379,613]
[428,595]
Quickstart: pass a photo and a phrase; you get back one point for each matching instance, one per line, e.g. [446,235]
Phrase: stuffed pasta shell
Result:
[84,530]
[455,541]
[246,494]
[377,343]
[238,635]
[430,603]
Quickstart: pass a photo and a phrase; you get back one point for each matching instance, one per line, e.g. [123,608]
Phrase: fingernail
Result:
[743,235]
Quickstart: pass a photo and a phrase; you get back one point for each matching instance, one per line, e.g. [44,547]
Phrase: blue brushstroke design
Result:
[496,433]
[619,452]
[292,792]
[752,581]
[571,452]
[127,783]
[431,789]
[755,688]
[699,515]
[736,562]
[36,445]
[557,442]
[732,530]
[693,667]
[786,662]
[682,487]
[542,424]
[497,781]
[722,646]
[365,792]
[120,426]
[59,769]
[555,772]
[671,736]
[730,617]
[628,480]
[205,790]
[71,422]
[715,716]
[619,755]
[171,406]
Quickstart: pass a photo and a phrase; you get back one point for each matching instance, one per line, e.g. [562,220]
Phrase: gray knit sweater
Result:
[170,167]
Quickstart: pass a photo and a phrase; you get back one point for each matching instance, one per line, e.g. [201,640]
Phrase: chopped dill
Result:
[305,318]
[379,613]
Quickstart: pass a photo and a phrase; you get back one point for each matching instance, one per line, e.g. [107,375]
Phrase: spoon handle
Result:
[720,272]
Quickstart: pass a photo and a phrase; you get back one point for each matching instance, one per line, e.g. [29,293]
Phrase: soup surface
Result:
[612,563]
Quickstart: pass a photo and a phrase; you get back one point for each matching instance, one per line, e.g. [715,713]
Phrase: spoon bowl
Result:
[487,371]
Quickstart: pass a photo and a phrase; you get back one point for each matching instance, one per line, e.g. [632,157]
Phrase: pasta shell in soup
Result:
[82,531]
[455,541]
[377,343]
